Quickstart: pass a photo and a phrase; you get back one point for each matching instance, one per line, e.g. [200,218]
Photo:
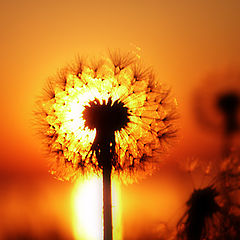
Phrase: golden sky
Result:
[182,40]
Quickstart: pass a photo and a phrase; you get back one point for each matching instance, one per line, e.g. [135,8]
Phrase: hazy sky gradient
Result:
[182,40]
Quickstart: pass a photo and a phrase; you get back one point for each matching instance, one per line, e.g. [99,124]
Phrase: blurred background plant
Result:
[212,210]
[217,106]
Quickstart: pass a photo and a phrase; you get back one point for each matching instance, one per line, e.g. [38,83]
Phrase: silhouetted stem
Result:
[107,203]
[105,157]
[195,228]
[227,145]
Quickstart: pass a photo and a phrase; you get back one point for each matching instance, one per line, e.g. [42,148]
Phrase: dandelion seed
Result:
[121,61]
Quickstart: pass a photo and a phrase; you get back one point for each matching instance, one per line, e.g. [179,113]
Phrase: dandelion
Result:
[210,213]
[108,117]
[229,104]
[217,106]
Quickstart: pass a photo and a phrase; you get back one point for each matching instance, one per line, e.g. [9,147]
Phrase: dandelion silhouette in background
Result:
[211,214]
[217,106]
[106,117]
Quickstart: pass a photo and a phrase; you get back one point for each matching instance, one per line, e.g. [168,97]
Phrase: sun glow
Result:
[87,209]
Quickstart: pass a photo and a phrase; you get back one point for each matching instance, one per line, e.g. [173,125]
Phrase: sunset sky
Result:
[184,41]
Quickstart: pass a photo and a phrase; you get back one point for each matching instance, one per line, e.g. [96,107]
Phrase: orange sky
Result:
[182,40]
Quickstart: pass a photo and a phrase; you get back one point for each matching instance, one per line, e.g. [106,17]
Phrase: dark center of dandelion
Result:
[203,201]
[106,117]
[228,104]
[202,205]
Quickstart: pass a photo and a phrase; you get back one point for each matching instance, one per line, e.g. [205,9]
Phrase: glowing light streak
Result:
[87,210]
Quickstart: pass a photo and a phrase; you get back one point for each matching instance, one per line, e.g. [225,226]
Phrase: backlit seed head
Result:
[118,99]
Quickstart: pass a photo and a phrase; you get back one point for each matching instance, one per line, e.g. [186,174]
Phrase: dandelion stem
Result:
[107,206]
[105,159]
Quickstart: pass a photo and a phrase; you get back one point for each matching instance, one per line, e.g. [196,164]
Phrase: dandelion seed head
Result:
[217,102]
[211,209]
[113,96]
[229,104]
[203,202]
[202,205]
